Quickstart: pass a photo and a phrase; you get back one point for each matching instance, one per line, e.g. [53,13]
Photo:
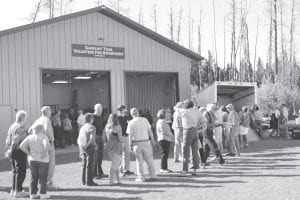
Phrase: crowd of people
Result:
[195,132]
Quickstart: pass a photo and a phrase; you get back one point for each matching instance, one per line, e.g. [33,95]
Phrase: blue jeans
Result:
[39,173]
[191,140]
[19,164]
[87,165]
[98,156]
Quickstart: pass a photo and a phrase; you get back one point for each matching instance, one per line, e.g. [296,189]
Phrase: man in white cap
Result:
[141,141]
[234,125]
[178,133]
[211,125]
[45,120]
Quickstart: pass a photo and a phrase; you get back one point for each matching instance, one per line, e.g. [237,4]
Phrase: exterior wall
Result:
[23,55]
[244,98]
[89,93]
[208,95]
[151,92]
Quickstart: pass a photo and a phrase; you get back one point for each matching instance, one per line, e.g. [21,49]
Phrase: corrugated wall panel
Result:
[32,67]
[79,39]
[19,70]
[44,46]
[49,46]
[1,74]
[56,46]
[38,64]
[12,71]
[5,70]
[66,42]
[25,72]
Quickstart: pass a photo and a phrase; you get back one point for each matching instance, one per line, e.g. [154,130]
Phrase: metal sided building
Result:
[96,55]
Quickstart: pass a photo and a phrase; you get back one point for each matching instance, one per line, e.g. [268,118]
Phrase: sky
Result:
[15,13]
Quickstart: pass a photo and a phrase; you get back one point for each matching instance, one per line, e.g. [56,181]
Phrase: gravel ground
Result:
[267,170]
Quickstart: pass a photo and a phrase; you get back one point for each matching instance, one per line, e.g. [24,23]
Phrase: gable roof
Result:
[119,18]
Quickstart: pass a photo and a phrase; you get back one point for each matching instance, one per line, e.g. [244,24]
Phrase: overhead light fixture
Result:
[47,75]
[82,77]
[60,82]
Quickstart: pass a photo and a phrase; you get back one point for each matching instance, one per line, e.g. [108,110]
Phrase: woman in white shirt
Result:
[165,138]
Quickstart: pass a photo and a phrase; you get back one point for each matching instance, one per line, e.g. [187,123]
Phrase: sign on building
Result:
[79,50]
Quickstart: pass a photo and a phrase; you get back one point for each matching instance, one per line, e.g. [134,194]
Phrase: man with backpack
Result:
[234,122]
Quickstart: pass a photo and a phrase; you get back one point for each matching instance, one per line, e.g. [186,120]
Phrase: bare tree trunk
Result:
[61,7]
[179,24]
[292,30]
[140,16]
[192,33]
[171,25]
[154,17]
[270,40]
[276,37]
[282,41]
[199,30]
[224,34]
[215,39]
[233,40]
[190,43]
[255,51]
[292,53]
[33,16]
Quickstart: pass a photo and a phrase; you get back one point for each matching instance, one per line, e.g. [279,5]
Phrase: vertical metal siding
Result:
[23,54]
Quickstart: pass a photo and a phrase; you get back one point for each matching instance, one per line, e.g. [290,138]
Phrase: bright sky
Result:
[15,12]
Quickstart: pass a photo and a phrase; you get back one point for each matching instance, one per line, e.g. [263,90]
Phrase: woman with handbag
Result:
[16,134]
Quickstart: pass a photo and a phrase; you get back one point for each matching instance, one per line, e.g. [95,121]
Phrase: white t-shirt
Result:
[81,120]
[138,129]
[47,126]
[84,134]
[38,146]
[191,118]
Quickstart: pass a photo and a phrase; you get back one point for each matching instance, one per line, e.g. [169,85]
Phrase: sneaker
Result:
[177,161]
[222,161]
[165,171]
[92,184]
[51,187]
[45,196]
[34,196]
[112,183]
[100,176]
[140,179]
[184,172]
[12,193]
[21,194]
[152,179]
[194,173]
[128,173]
[230,154]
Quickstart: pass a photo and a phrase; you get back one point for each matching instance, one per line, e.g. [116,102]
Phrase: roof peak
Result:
[117,17]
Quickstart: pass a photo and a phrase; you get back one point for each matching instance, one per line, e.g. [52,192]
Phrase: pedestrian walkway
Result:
[268,169]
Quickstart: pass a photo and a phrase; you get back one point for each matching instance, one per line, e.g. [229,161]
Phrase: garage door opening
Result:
[151,91]
[66,89]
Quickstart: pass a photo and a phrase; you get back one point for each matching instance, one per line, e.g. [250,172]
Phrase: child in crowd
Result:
[87,144]
[67,129]
[37,146]
[165,138]
[114,145]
